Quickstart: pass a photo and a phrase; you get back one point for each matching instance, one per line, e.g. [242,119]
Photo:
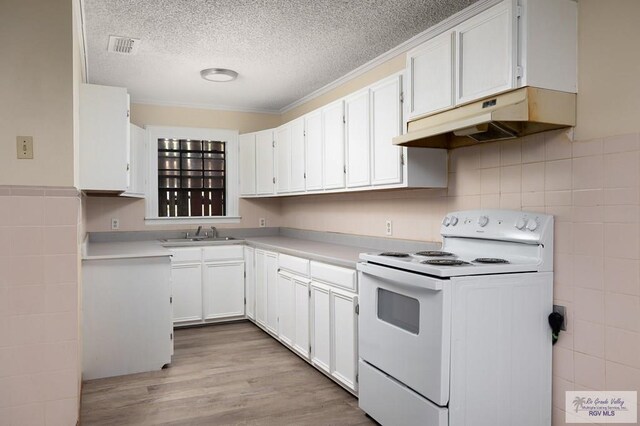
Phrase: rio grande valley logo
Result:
[601,407]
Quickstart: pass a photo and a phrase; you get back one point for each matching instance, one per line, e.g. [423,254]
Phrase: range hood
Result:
[507,116]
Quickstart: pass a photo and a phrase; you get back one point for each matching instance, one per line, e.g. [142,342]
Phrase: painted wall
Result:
[36,78]
[131,212]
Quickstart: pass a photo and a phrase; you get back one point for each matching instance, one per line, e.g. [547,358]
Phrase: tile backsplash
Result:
[39,310]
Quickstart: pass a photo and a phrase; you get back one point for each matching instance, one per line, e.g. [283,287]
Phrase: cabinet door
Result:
[313,148]
[485,54]
[301,340]
[250,282]
[357,139]
[137,162]
[344,353]
[386,124]
[271,272]
[264,162]
[223,288]
[104,138]
[283,158]
[261,287]
[430,75]
[187,292]
[320,327]
[248,164]
[286,309]
[297,183]
[333,145]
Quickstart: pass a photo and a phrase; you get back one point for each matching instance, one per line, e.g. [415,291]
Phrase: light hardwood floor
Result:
[230,374]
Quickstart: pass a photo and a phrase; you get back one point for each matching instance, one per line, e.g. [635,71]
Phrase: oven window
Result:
[399,310]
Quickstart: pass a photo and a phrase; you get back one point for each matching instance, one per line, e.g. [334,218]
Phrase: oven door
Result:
[404,328]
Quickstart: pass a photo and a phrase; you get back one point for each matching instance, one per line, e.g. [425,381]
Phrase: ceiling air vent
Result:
[123,45]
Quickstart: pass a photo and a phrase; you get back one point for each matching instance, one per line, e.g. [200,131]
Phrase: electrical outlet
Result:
[263,222]
[115,223]
[24,147]
[562,310]
[389,227]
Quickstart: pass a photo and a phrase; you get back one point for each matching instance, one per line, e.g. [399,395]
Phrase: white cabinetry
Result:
[486,53]
[247,144]
[223,282]
[298,177]
[126,320]
[334,322]
[186,275]
[313,150]
[208,284]
[137,162]
[265,177]
[250,282]
[286,308]
[104,138]
[386,123]
[333,145]
[266,290]
[357,128]
[508,45]
[430,76]
[283,158]
[293,303]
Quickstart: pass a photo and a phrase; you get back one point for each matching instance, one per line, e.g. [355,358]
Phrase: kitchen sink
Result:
[197,240]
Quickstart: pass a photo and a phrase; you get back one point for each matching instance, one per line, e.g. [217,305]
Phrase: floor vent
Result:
[123,45]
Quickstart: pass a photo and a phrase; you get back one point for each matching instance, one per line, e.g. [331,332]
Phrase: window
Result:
[193,175]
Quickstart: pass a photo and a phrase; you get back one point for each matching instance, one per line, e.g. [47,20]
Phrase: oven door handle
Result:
[408,279]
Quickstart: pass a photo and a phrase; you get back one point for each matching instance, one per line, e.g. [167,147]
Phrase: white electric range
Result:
[460,336]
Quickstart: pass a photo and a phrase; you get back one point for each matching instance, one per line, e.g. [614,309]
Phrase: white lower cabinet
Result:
[286,308]
[250,282]
[301,317]
[187,292]
[266,289]
[223,289]
[320,326]
[344,325]
[208,284]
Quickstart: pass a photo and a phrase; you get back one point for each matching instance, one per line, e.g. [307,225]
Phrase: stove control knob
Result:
[454,220]
[532,225]
[483,220]
[521,223]
[446,221]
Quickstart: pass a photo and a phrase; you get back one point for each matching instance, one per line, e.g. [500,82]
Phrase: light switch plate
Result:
[24,147]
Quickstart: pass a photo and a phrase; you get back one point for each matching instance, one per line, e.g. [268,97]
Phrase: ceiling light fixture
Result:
[219,75]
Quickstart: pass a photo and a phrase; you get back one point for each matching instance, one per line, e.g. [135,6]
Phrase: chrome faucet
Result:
[214,232]
[198,231]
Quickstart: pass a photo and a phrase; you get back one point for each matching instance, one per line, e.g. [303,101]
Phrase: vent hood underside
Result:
[507,116]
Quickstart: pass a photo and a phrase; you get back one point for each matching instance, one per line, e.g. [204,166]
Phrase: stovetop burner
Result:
[434,253]
[394,254]
[445,262]
[490,260]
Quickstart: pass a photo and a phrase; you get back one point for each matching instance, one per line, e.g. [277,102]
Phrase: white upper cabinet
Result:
[137,162]
[430,76]
[297,178]
[283,158]
[486,53]
[313,150]
[248,164]
[333,145]
[265,178]
[357,128]
[386,123]
[104,138]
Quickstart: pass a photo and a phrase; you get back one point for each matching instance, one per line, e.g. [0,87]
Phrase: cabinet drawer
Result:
[334,275]
[222,253]
[294,264]
[185,255]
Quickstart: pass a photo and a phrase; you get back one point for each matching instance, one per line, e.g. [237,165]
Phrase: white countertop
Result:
[124,250]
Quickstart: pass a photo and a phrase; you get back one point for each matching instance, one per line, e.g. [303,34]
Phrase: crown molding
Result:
[156,102]
[402,48]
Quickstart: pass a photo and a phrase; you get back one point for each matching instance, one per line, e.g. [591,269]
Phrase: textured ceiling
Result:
[282,49]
